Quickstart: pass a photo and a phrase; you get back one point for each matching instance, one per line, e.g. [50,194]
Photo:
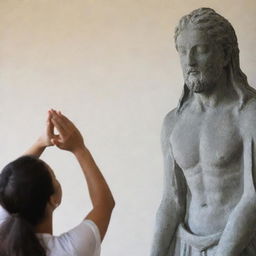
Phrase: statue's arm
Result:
[241,225]
[172,207]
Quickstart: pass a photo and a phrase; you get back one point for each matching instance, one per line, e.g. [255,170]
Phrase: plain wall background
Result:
[111,66]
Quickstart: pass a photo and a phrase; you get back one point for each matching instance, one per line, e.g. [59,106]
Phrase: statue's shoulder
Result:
[169,122]
[249,109]
[170,118]
[248,117]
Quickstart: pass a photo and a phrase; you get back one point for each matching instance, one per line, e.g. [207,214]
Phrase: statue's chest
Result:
[209,140]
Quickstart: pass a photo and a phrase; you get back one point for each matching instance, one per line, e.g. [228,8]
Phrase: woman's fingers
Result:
[57,124]
[69,137]
[50,127]
[60,118]
[57,140]
[65,120]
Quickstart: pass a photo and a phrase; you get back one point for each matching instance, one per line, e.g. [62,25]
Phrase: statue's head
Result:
[207,45]
[204,40]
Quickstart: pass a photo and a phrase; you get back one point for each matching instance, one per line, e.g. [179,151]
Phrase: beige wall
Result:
[112,67]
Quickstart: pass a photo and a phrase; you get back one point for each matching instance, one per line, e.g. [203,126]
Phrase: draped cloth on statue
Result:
[188,244]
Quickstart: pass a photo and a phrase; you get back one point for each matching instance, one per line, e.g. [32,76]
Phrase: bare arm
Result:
[101,196]
[171,211]
[43,141]
[36,149]
[102,200]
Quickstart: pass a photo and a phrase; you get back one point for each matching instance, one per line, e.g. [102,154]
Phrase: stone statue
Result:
[209,199]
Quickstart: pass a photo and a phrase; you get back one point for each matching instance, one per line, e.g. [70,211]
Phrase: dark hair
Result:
[25,188]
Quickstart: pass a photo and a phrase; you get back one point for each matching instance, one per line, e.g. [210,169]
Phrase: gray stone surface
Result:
[208,142]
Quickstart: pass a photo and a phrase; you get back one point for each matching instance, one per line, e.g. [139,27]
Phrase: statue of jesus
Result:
[208,142]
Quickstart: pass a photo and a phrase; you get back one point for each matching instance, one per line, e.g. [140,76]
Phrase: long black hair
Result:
[25,188]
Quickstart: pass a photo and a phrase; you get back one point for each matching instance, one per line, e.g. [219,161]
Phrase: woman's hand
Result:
[69,137]
[45,140]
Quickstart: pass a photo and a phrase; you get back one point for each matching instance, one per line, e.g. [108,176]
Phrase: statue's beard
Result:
[198,85]
[199,82]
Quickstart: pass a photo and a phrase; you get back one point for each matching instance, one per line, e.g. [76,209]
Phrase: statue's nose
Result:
[191,60]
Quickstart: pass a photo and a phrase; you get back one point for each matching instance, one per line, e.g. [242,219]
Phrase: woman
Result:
[29,194]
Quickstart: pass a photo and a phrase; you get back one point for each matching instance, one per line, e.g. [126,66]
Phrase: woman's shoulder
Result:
[84,239]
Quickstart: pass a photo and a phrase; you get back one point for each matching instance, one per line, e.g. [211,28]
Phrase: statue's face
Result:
[202,60]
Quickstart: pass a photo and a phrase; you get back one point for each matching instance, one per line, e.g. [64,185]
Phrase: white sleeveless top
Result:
[83,240]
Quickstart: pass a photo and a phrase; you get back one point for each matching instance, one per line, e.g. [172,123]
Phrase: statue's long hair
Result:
[221,31]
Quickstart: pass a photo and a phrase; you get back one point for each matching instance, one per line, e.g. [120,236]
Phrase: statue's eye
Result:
[203,48]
